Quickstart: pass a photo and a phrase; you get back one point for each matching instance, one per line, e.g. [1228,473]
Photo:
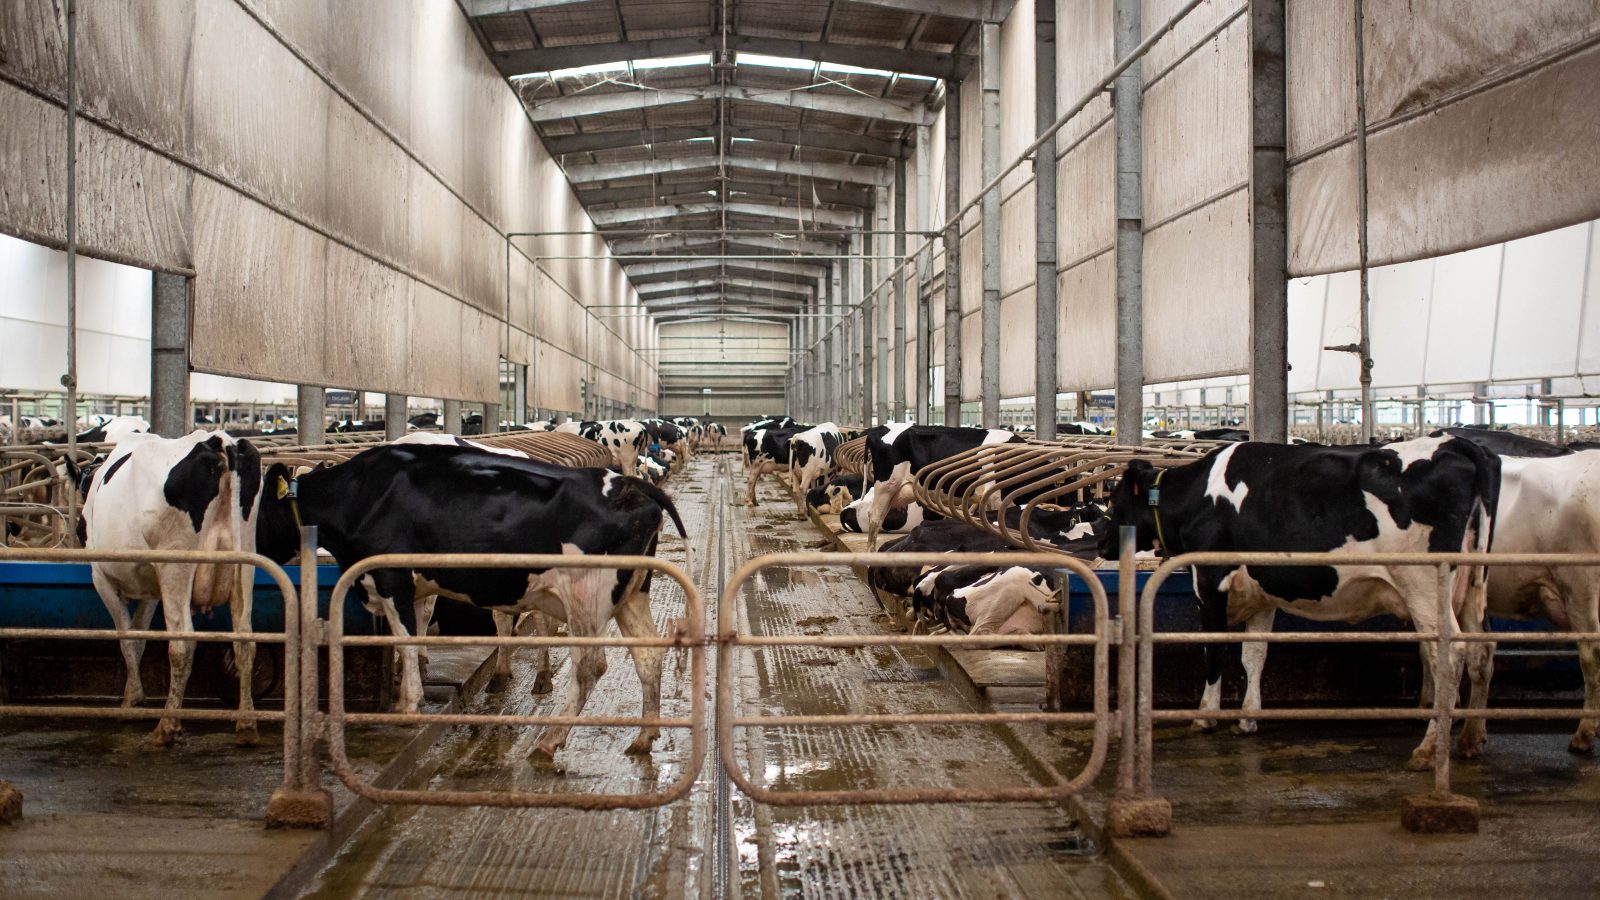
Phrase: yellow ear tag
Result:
[283,488]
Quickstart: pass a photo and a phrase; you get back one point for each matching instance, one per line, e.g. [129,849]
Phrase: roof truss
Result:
[579,105]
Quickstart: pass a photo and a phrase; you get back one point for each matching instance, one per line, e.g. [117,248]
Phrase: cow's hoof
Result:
[542,682]
[1420,761]
[1203,726]
[498,682]
[1470,744]
[165,735]
[544,756]
[246,735]
[1244,726]
[643,744]
[132,698]
[1581,744]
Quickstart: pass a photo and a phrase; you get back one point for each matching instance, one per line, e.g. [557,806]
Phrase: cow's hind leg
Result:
[422,617]
[586,595]
[505,625]
[633,618]
[388,588]
[1254,656]
[1478,659]
[177,586]
[240,604]
[543,678]
[132,650]
[1584,610]
[1213,617]
[1425,618]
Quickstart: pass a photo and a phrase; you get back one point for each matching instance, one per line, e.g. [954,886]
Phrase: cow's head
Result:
[278,528]
[1131,505]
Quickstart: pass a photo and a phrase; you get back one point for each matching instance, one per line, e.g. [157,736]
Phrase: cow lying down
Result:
[833,495]
[441,499]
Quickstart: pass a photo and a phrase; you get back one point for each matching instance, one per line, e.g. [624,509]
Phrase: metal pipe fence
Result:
[730,638]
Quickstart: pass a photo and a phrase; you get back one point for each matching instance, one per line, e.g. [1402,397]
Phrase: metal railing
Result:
[690,638]
[730,639]
[1444,710]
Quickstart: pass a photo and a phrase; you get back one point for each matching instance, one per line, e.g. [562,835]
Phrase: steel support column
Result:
[989,350]
[952,254]
[922,403]
[880,305]
[1269,226]
[451,417]
[169,357]
[1130,229]
[901,394]
[1044,230]
[840,387]
[312,414]
[394,416]
[868,398]
[491,418]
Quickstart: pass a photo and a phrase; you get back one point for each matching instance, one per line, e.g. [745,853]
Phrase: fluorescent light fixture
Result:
[783,62]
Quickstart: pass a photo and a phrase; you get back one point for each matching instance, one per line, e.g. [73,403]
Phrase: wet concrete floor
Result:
[716,842]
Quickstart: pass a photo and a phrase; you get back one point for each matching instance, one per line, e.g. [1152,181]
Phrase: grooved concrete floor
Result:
[682,849]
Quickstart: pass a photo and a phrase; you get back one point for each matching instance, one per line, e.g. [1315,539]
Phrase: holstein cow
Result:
[198,492]
[1427,495]
[811,458]
[768,450]
[985,599]
[624,439]
[1547,505]
[424,499]
[716,433]
[896,453]
[833,495]
[109,431]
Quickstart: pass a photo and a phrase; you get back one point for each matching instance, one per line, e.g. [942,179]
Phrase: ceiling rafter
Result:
[514,63]
[878,176]
[580,105]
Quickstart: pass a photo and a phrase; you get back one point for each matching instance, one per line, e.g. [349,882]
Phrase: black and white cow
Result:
[985,599]
[811,458]
[198,492]
[833,495]
[108,430]
[768,452]
[427,499]
[716,433]
[624,439]
[896,453]
[1427,495]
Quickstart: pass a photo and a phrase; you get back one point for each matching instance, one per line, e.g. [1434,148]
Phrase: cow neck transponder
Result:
[1155,510]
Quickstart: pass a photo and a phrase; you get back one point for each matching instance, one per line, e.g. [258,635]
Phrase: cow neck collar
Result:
[1155,512]
[290,489]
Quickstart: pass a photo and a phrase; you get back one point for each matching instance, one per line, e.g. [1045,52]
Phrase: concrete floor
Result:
[716,842]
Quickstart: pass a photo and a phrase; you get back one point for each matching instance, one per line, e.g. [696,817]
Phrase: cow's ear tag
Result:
[1155,496]
[283,488]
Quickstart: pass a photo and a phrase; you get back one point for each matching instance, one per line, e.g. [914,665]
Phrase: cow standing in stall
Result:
[811,459]
[1433,495]
[426,499]
[198,492]
[895,453]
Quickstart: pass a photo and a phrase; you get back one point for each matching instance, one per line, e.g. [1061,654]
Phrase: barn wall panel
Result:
[1087,313]
[33,45]
[1086,185]
[971,368]
[134,67]
[436,344]
[373,63]
[1017,348]
[1320,67]
[1197,127]
[366,332]
[481,337]
[367,202]
[258,304]
[1196,282]
[435,231]
[274,142]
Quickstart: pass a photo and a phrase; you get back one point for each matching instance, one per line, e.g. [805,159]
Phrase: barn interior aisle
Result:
[716,842]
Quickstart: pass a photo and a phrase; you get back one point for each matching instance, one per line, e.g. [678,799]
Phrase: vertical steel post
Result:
[1130,229]
[880,304]
[901,394]
[451,417]
[952,253]
[312,414]
[989,349]
[394,416]
[169,356]
[302,802]
[491,418]
[923,402]
[868,398]
[1269,226]
[1044,231]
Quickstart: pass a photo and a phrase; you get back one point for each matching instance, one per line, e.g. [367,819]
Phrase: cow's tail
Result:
[1486,502]
[662,500]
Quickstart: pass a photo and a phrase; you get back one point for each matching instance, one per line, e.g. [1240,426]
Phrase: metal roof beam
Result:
[476,8]
[992,10]
[788,290]
[802,137]
[698,190]
[590,172]
[649,269]
[579,105]
[801,216]
[800,247]
[512,63]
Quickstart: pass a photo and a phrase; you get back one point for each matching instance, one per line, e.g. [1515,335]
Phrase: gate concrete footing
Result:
[1146,817]
[1439,814]
[300,809]
[10,803]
